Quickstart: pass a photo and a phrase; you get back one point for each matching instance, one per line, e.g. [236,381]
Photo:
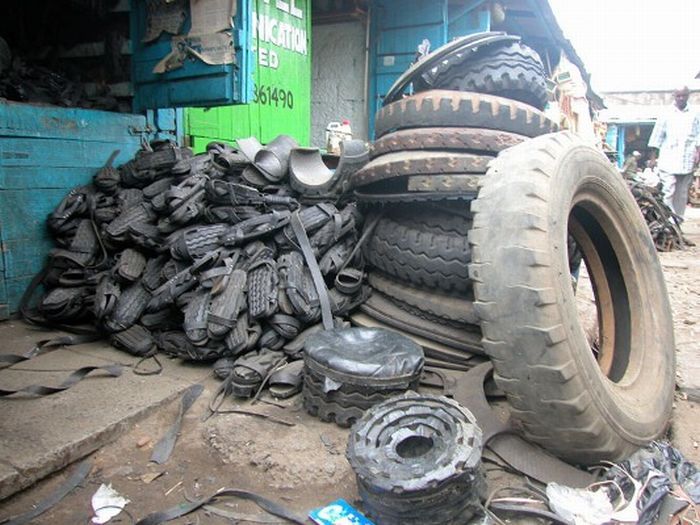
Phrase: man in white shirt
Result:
[676,136]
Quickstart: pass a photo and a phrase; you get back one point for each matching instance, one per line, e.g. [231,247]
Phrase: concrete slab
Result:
[41,435]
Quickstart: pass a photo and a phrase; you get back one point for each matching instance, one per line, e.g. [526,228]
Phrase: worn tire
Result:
[441,108]
[514,71]
[430,249]
[447,307]
[582,409]
[406,163]
[473,140]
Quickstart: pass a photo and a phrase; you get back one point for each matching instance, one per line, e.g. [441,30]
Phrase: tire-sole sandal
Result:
[287,380]
[251,370]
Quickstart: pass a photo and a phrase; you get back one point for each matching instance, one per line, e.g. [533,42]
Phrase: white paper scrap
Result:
[107,503]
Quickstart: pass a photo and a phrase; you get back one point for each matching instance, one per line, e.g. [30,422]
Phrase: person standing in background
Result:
[676,138]
[629,168]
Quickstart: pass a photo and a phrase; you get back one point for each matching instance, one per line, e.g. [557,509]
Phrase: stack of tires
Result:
[481,209]
[431,151]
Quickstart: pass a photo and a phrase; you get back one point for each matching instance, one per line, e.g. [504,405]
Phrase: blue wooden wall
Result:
[397,27]
[44,152]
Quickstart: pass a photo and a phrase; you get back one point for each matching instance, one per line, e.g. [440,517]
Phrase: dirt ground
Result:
[299,462]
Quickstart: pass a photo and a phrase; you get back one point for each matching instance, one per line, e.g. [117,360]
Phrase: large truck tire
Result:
[430,249]
[441,108]
[514,71]
[583,407]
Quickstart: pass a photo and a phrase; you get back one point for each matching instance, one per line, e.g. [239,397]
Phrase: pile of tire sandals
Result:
[664,225]
[232,256]
[486,218]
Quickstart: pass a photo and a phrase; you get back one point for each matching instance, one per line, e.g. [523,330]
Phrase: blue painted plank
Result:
[15,290]
[195,83]
[59,153]
[26,256]
[19,178]
[27,120]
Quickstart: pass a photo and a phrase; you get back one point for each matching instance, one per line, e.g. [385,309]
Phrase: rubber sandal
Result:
[244,336]
[342,304]
[271,339]
[66,304]
[228,214]
[195,323]
[161,159]
[263,282]
[249,371]
[62,221]
[131,304]
[129,197]
[136,340]
[287,380]
[117,231]
[192,165]
[285,325]
[169,292]
[105,208]
[334,259]
[254,228]
[130,265]
[299,288]
[223,367]
[295,348]
[329,234]
[225,308]
[107,294]
[312,219]
[168,318]
[196,241]
[176,344]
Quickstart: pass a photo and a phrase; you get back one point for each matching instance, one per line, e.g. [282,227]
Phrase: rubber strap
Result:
[187,507]
[72,379]
[164,447]
[312,263]
[45,346]
[75,479]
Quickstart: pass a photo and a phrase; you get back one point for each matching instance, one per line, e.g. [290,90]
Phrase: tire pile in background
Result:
[431,151]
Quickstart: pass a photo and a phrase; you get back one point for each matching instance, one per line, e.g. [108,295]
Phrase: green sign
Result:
[282,92]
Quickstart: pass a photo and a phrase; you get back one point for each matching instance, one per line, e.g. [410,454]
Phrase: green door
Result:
[282,91]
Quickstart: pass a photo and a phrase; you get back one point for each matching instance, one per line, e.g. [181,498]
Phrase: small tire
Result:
[428,250]
[441,108]
[583,408]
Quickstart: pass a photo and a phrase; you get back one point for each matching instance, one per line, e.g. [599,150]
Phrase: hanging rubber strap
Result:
[164,447]
[312,263]
[45,346]
[78,476]
[187,507]
[72,379]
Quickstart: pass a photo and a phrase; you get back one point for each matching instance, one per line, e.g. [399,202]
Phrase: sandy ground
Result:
[301,464]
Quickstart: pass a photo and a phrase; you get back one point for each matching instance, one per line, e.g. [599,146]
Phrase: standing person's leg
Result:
[668,186]
[680,197]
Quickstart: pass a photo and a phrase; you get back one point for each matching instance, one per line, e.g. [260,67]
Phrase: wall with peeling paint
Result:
[338,77]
